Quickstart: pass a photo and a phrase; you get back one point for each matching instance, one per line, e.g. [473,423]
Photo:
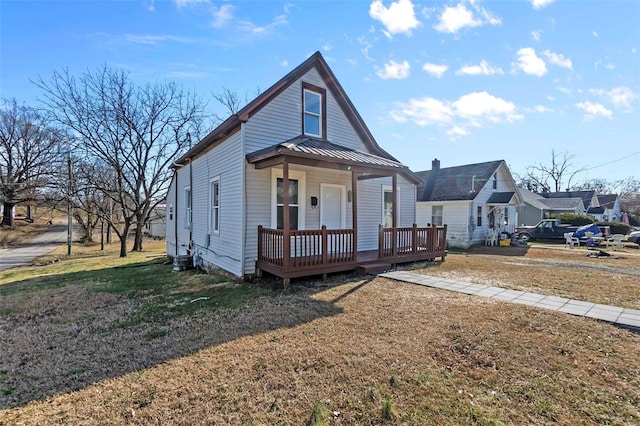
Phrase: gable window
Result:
[436,215]
[296,200]
[479,216]
[314,110]
[170,211]
[214,226]
[495,181]
[387,208]
[188,210]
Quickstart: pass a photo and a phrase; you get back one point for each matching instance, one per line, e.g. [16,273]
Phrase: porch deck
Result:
[323,251]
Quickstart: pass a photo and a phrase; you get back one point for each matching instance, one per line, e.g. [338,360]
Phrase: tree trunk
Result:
[7,215]
[137,243]
[123,239]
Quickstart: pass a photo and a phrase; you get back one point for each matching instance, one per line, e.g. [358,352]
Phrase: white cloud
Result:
[327,47]
[610,66]
[424,112]
[483,69]
[186,3]
[456,131]
[595,34]
[250,27]
[593,110]
[540,109]
[536,34]
[394,70]
[455,18]
[398,18]
[284,63]
[558,59]
[222,15]
[475,109]
[482,104]
[529,62]
[539,4]
[435,70]
[620,97]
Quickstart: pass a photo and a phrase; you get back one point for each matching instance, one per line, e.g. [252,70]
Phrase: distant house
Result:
[294,184]
[156,226]
[469,199]
[589,197]
[609,209]
[536,207]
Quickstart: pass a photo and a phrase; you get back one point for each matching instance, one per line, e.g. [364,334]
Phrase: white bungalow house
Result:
[608,209]
[294,184]
[469,199]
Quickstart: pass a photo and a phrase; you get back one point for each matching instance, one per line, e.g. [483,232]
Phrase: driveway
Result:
[38,246]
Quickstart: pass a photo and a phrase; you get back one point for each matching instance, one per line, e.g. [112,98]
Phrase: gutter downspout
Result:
[175,211]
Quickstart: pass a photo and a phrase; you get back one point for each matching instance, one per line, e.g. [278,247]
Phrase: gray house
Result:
[609,209]
[294,184]
[536,207]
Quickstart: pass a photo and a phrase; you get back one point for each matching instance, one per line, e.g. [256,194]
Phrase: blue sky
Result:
[461,81]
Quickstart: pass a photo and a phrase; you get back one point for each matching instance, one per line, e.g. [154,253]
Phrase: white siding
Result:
[455,214]
[281,119]
[224,249]
[170,228]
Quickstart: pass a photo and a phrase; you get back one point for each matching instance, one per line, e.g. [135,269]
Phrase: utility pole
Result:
[69,222]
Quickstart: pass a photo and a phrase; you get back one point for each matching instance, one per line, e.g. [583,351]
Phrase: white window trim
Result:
[343,201]
[301,177]
[386,188]
[212,227]
[188,207]
[319,115]
[441,217]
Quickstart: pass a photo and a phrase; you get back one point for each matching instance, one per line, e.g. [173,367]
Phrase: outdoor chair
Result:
[491,237]
[615,240]
[570,240]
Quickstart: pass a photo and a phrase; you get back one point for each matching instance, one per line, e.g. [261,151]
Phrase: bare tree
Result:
[29,151]
[231,102]
[134,130]
[556,175]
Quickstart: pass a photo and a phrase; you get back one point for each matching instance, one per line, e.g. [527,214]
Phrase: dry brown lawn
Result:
[354,351]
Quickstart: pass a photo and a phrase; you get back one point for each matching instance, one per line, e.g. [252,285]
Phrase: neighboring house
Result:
[535,207]
[609,209]
[156,226]
[469,199]
[294,184]
[589,197]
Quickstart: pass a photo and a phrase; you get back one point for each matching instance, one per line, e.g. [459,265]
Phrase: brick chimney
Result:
[435,164]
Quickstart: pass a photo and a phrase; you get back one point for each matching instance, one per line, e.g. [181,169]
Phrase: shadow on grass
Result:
[61,333]
[498,251]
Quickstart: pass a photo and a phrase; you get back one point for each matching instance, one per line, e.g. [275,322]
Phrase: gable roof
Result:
[563,203]
[231,124]
[586,196]
[533,198]
[607,200]
[454,183]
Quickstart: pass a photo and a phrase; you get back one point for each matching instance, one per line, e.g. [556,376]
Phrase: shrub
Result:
[572,218]
[616,227]
[320,415]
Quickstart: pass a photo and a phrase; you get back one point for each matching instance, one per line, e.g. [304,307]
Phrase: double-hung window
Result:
[313,110]
[188,211]
[297,184]
[214,226]
[436,215]
[479,216]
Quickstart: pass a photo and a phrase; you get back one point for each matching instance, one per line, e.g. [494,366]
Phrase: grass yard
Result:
[99,340]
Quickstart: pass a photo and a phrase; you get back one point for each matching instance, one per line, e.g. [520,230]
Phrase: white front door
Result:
[332,206]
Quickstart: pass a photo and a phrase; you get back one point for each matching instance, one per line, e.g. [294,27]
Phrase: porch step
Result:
[373,267]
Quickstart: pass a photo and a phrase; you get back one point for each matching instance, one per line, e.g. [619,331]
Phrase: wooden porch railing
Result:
[307,249]
[411,241]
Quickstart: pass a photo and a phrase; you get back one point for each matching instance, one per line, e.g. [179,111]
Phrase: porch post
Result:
[286,243]
[394,213]
[354,212]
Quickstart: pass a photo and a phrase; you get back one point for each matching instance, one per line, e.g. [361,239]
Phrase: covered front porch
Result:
[288,252]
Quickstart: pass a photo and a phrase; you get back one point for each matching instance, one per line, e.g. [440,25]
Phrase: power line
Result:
[611,162]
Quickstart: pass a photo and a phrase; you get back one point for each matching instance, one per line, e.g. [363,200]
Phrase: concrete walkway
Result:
[629,318]
[39,246]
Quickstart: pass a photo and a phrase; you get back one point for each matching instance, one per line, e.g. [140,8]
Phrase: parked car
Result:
[634,237]
[553,229]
